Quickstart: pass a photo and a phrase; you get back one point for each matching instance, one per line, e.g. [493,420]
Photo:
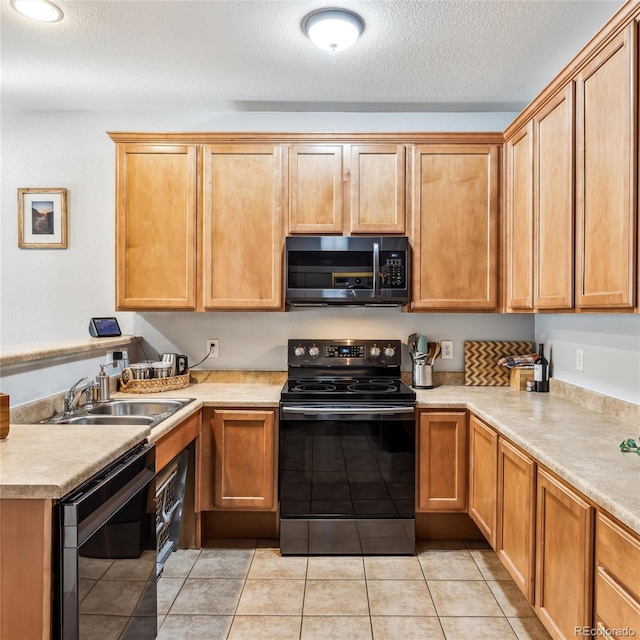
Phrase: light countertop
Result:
[579,445]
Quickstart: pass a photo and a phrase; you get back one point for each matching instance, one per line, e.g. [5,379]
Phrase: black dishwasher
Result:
[105,573]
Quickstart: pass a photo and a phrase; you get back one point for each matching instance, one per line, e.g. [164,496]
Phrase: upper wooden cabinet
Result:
[442,461]
[554,202]
[377,189]
[345,189]
[607,130]
[242,230]
[454,226]
[519,228]
[540,208]
[156,226]
[316,188]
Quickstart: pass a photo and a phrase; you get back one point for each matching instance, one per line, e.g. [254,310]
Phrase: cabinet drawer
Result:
[618,554]
[615,608]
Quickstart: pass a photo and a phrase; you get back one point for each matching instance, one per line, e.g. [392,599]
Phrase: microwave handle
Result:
[376,270]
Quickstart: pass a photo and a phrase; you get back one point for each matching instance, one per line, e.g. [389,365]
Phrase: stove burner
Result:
[372,386]
[310,386]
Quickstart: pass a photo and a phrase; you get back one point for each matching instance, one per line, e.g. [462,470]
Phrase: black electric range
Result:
[347,450]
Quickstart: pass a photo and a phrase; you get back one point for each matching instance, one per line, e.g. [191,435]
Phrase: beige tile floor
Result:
[245,590]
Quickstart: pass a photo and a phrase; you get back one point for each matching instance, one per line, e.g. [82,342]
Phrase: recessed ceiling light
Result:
[333,29]
[41,10]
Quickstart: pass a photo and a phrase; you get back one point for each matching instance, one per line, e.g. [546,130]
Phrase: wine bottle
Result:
[541,371]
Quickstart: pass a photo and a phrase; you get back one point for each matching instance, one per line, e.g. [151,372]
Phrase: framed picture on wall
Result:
[42,218]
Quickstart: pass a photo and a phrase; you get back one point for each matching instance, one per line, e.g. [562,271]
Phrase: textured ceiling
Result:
[230,55]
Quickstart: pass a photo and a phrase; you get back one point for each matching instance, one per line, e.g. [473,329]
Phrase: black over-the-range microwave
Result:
[338,270]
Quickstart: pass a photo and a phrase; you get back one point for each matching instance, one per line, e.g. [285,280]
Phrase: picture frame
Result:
[42,218]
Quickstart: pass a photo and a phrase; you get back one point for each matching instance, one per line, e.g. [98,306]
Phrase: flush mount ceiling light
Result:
[40,10]
[333,29]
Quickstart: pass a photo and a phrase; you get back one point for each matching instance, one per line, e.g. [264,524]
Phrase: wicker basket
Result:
[155,385]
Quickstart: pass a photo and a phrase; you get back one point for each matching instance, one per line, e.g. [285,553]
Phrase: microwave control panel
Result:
[393,269]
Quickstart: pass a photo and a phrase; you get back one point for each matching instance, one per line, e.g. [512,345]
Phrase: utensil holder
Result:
[422,377]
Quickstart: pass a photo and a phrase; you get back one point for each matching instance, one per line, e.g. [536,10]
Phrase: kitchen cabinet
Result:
[156,226]
[242,226]
[171,444]
[26,562]
[377,189]
[606,201]
[238,460]
[554,132]
[442,461]
[617,579]
[483,477]
[520,178]
[454,226]
[540,208]
[515,528]
[564,558]
[346,188]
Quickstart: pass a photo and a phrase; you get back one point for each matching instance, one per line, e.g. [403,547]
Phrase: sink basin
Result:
[149,411]
[138,407]
[111,420]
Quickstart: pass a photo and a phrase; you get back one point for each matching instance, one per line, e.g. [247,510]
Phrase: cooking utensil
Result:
[411,344]
[437,353]
[431,350]
[421,346]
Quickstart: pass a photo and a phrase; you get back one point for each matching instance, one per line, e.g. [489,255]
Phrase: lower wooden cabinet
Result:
[442,461]
[515,529]
[617,579]
[483,478]
[564,558]
[241,462]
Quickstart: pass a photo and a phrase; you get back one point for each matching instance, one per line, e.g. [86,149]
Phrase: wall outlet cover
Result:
[213,348]
[446,349]
[579,359]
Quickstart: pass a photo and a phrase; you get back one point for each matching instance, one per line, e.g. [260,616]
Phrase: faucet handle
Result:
[73,387]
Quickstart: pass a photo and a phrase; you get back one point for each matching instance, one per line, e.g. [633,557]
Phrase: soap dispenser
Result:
[104,391]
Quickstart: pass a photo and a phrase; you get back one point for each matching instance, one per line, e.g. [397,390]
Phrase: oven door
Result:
[347,479]
[106,565]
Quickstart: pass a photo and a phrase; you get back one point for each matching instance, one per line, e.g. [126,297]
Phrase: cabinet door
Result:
[316,189]
[606,185]
[554,202]
[442,461]
[377,188]
[515,531]
[454,227]
[244,444]
[564,558]
[155,226]
[617,585]
[520,219]
[483,477]
[242,227]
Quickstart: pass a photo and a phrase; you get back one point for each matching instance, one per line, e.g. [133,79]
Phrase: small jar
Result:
[160,370]
[531,385]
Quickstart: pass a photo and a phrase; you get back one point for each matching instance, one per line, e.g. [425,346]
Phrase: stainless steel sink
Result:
[111,420]
[138,407]
[148,411]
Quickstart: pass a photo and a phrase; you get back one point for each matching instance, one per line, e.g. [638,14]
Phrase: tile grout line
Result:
[244,584]
[366,588]
[304,596]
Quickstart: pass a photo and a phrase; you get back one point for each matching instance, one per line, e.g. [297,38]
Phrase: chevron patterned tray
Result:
[480,362]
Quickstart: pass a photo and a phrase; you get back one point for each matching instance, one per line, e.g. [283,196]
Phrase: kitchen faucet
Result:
[71,398]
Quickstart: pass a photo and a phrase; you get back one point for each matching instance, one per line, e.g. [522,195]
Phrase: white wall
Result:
[611,347]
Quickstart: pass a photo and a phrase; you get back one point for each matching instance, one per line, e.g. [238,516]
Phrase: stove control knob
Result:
[299,351]
[389,352]
[314,352]
[374,352]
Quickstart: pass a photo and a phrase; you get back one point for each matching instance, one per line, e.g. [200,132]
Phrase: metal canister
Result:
[104,389]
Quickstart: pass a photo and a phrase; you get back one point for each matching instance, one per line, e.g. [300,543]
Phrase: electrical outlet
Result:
[109,359]
[579,360]
[213,348]
[446,349]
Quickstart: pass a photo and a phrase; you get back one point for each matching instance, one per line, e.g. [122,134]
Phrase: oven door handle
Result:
[318,411]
